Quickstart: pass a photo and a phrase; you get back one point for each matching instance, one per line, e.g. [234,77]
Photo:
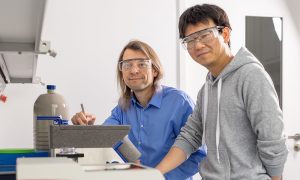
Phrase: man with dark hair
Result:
[155,112]
[237,115]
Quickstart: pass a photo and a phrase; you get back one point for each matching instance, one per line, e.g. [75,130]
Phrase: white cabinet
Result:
[21,25]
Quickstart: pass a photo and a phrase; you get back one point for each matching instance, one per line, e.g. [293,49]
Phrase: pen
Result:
[82,110]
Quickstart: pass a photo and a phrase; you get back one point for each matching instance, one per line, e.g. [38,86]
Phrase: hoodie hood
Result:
[243,57]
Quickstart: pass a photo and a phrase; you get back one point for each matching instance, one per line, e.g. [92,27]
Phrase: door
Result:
[264,39]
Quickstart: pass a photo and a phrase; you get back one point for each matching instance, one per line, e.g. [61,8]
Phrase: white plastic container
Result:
[52,105]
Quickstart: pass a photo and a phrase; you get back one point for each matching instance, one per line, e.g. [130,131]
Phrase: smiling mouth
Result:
[199,55]
[205,51]
[135,78]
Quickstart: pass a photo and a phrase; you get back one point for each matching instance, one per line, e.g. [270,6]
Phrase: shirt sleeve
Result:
[115,118]
[265,115]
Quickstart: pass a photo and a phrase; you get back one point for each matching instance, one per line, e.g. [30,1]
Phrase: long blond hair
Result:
[136,45]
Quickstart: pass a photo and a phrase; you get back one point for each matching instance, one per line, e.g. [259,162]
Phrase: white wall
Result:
[193,75]
[291,45]
[88,36]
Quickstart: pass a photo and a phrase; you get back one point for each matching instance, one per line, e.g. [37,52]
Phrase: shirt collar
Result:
[156,99]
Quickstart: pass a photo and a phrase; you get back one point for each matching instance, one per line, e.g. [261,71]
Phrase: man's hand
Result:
[174,158]
[138,162]
[81,118]
[276,177]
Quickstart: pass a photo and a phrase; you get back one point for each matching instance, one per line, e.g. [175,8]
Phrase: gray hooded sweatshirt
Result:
[238,118]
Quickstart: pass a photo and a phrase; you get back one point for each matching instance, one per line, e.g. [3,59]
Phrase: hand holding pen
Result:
[83,118]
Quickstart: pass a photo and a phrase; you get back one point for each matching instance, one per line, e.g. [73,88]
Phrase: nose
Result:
[198,44]
[134,69]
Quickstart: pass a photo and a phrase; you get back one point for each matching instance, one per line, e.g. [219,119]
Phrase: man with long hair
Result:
[155,112]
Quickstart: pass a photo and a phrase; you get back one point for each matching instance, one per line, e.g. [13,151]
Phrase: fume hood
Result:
[21,23]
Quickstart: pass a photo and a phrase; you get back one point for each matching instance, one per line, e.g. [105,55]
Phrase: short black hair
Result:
[202,13]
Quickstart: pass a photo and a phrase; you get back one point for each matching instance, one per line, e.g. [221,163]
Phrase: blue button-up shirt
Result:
[155,127]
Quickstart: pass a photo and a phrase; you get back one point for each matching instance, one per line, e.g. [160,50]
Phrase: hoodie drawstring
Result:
[218,119]
[204,115]
[218,116]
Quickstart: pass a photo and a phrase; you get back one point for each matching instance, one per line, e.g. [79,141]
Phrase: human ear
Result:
[155,73]
[226,34]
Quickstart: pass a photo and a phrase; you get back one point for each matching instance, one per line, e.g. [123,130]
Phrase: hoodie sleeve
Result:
[189,167]
[190,137]
[265,115]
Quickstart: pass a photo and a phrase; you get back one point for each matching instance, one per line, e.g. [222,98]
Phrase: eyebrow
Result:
[202,30]
[131,59]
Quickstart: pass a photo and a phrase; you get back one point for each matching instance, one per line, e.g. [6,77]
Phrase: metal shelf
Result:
[21,24]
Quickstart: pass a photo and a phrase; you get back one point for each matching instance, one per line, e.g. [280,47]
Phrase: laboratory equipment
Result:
[83,136]
[126,150]
[64,168]
[20,42]
[48,108]
[3,98]
[8,158]
[2,87]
